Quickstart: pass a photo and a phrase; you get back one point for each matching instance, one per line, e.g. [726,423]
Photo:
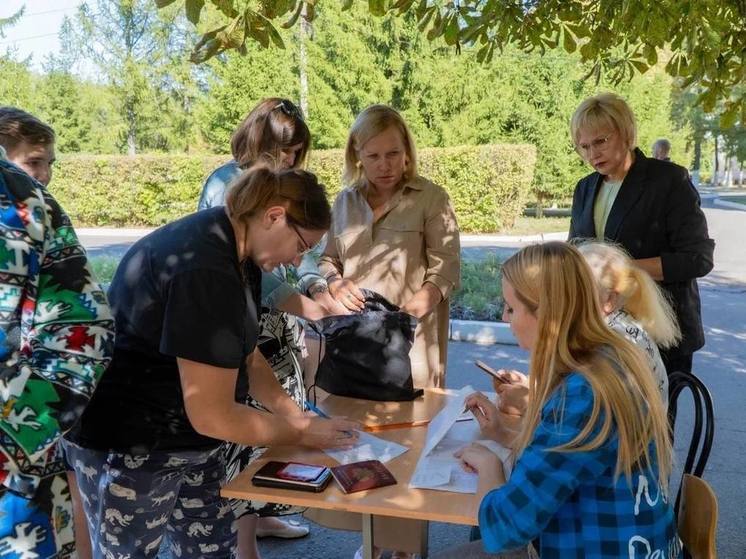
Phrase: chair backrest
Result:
[700,443]
[698,518]
[703,432]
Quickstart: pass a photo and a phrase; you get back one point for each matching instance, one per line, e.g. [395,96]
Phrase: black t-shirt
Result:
[178,292]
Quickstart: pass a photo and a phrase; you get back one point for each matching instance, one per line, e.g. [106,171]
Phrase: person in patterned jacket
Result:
[56,339]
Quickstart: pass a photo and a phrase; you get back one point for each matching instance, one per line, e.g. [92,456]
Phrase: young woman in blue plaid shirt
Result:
[593,455]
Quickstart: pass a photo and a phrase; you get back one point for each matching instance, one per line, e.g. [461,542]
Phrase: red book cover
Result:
[361,476]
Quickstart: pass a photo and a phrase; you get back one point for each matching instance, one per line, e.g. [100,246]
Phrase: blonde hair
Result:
[299,192]
[555,283]
[638,294]
[368,124]
[606,110]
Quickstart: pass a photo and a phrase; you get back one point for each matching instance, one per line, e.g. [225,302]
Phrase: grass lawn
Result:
[480,294]
[104,267]
[536,225]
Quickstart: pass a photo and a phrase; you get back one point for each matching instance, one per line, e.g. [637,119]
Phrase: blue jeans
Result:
[135,502]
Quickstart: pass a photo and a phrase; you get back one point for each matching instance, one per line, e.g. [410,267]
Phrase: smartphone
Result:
[300,472]
[499,377]
[302,477]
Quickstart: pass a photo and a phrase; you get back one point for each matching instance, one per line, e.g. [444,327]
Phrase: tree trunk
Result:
[131,127]
[697,162]
[304,34]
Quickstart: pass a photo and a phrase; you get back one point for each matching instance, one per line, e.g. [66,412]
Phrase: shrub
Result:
[480,295]
[487,184]
[121,191]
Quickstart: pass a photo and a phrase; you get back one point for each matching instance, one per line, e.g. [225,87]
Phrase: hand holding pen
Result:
[329,432]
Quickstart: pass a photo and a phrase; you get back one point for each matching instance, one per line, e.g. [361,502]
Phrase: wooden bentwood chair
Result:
[696,503]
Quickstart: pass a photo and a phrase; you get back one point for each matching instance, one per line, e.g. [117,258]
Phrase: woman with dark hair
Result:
[148,450]
[275,134]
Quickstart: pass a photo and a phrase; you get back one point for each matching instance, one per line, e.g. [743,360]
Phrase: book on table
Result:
[361,476]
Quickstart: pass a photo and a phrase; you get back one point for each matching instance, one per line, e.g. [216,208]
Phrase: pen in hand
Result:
[320,413]
[317,411]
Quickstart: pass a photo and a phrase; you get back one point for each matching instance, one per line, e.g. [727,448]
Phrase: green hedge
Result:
[489,185]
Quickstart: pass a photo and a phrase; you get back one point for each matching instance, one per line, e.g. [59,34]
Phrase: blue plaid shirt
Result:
[570,500]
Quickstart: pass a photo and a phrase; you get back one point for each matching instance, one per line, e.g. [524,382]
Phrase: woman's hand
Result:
[485,412]
[478,459]
[347,293]
[494,424]
[329,304]
[319,432]
[512,397]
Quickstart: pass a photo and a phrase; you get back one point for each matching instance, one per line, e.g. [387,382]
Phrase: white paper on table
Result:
[445,419]
[439,469]
[367,447]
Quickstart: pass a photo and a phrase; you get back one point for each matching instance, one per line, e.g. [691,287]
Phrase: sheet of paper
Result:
[439,469]
[368,447]
[445,419]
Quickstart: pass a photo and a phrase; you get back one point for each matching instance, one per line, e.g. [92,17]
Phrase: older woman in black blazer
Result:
[647,206]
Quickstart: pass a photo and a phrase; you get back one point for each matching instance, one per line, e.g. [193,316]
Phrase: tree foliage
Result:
[138,53]
[703,41]
[353,58]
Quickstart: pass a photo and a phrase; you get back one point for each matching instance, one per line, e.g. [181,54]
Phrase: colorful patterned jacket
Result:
[56,330]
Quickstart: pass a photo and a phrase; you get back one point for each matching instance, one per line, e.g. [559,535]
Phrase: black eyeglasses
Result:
[306,248]
[289,109]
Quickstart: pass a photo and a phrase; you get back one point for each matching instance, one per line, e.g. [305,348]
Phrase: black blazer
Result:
[656,213]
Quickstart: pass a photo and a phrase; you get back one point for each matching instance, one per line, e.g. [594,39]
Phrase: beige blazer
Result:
[415,241]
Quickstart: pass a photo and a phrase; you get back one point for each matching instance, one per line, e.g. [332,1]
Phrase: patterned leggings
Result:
[135,502]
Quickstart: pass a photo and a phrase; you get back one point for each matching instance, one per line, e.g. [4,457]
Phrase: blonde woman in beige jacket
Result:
[394,232]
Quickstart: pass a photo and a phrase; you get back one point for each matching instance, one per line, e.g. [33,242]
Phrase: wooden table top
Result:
[397,500]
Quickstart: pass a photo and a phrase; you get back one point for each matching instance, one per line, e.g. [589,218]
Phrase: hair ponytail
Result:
[638,294]
[649,306]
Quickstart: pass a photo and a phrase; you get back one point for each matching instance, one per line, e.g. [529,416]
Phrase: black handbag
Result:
[367,354]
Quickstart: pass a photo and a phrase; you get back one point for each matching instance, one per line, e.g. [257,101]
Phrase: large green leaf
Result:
[225,7]
[164,3]
[193,9]
[452,30]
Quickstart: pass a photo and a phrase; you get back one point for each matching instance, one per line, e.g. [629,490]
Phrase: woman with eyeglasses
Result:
[273,133]
[148,450]
[648,207]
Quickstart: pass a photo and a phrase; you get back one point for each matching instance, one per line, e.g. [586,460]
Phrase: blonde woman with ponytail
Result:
[593,456]
[148,448]
[633,304]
